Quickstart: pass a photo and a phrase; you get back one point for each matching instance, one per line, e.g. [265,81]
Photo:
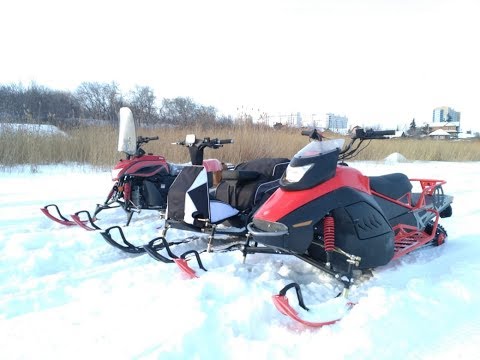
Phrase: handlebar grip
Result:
[306,132]
[225,141]
[384,132]
[154,138]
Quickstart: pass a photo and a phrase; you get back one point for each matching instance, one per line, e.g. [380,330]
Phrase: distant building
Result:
[329,121]
[446,119]
[440,134]
[445,114]
[336,122]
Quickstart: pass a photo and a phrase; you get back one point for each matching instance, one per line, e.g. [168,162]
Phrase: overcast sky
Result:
[376,62]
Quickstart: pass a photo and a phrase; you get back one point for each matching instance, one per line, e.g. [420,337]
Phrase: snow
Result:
[67,294]
[40,129]
[395,158]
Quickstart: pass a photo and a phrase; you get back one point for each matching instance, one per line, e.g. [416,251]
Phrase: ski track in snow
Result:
[67,294]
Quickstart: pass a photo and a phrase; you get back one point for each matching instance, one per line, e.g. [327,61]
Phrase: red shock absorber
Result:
[127,190]
[329,233]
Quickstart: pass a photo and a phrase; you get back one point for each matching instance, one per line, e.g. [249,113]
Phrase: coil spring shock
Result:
[329,233]
[329,237]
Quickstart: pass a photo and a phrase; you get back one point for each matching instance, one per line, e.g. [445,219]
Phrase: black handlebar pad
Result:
[372,134]
[146,139]
[225,141]
[384,132]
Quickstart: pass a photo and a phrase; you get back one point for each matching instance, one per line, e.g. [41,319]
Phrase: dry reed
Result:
[97,146]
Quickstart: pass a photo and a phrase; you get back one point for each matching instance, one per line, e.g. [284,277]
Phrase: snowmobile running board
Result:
[409,238]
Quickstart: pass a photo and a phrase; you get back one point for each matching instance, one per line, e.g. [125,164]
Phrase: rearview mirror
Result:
[190,139]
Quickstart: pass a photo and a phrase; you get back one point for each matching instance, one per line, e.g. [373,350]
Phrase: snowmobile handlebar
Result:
[313,134]
[146,139]
[372,134]
[205,142]
[353,148]
[196,146]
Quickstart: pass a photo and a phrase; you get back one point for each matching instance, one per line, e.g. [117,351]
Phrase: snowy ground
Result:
[66,294]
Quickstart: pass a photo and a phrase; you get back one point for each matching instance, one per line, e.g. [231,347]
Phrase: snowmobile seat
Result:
[251,189]
[394,186]
[239,176]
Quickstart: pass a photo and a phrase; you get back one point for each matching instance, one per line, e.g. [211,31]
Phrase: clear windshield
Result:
[316,148]
[127,139]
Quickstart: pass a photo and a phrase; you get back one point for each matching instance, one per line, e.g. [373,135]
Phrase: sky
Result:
[375,61]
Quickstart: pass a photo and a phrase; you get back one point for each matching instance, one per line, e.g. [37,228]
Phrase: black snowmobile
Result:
[223,210]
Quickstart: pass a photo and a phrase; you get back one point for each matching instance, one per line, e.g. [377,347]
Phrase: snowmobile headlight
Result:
[115,173]
[295,173]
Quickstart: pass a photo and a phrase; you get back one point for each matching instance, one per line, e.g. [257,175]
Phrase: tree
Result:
[413,125]
[100,101]
[413,128]
[184,111]
[425,129]
[37,103]
[142,103]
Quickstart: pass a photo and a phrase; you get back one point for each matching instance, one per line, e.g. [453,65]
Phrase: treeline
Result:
[94,102]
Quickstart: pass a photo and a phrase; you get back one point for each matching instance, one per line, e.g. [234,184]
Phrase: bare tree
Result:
[11,108]
[179,111]
[142,103]
[184,111]
[37,103]
[100,101]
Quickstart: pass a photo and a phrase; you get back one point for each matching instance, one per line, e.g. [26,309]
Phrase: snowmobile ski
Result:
[281,303]
[181,261]
[59,218]
[83,223]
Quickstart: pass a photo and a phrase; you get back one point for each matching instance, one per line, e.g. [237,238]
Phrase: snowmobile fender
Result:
[283,201]
[145,166]
[301,222]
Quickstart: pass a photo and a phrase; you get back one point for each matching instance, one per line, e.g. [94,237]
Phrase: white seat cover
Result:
[220,211]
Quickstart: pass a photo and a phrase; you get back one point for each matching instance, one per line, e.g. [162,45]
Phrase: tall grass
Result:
[97,146]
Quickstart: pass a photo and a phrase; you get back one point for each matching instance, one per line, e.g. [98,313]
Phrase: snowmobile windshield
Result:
[127,139]
[317,148]
[313,165]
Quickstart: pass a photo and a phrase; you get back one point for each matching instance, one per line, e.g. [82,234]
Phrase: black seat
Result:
[240,176]
[394,186]
[239,187]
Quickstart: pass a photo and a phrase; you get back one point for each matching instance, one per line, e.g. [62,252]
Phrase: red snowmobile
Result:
[338,220]
[141,181]
[322,211]
[223,210]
